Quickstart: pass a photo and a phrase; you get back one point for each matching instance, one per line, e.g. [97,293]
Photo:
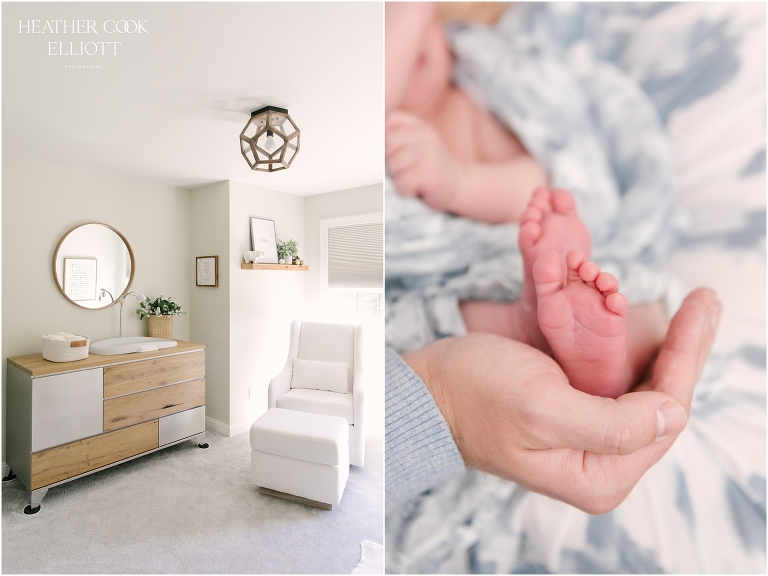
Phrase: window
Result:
[368,304]
[352,265]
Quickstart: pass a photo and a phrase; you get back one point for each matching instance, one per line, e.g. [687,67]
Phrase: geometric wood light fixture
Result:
[270,140]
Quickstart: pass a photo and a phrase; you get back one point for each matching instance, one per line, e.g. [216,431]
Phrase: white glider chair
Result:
[327,343]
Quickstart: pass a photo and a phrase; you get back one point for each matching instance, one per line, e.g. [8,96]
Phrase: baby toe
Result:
[589,272]
[607,283]
[530,232]
[574,259]
[562,201]
[532,213]
[541,200]
[548,274]
[617,303]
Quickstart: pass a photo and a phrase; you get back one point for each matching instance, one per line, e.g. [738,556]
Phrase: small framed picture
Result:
[80,278]
[263,238]
[207,271]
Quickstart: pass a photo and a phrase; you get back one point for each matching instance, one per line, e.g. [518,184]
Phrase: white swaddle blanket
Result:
[701,67]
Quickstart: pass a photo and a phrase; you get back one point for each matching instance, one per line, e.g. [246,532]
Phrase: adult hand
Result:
[512,412]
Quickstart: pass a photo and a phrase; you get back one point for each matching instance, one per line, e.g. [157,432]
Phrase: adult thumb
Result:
[621,426]
[687,345]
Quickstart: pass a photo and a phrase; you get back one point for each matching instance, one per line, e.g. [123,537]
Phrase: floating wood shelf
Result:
[244,266]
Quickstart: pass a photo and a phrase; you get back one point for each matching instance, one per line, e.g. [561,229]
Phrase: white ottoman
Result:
[300,456]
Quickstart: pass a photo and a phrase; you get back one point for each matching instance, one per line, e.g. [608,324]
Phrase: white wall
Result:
[210,311]
[41,202]
[263,302]
[352,202]
[363,200]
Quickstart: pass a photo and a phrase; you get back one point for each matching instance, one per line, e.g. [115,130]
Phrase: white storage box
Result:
[65,350]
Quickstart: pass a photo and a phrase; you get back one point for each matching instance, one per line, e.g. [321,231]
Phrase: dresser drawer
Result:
[83,456]
[147,374]
[181,425]
[150,404]
[65,408]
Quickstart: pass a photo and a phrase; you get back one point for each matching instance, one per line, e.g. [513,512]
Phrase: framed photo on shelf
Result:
[207,271]
[263,238]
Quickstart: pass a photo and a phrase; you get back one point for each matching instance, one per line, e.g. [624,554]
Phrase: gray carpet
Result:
[187,510]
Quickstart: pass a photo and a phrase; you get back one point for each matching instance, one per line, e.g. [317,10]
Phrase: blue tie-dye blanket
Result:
[597,134]
[653,115]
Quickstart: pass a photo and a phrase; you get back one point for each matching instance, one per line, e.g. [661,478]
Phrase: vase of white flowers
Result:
[160,312]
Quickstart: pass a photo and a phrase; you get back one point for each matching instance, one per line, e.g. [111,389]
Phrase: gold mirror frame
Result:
[130,253]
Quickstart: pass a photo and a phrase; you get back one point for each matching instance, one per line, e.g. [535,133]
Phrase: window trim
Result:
[327,223]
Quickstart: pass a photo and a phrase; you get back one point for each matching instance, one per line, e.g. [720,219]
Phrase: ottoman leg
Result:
[298,499]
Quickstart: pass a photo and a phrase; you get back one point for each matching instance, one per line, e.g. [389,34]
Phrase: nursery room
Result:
[192,313]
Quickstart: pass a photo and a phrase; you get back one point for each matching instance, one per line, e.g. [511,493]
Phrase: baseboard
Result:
[5,469]
[241,427]
[216,426]
[226,429]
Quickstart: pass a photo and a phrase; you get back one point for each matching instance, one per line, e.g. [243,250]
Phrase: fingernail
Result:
[671,418]
[715,317]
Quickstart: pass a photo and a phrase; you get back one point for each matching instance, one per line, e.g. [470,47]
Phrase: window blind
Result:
[356,256]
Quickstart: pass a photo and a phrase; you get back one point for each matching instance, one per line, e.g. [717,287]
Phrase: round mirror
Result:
[93,266]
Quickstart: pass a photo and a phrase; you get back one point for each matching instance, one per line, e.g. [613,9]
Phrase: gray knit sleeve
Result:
[419,450]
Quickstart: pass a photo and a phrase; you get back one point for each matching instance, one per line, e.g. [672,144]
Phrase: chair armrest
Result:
[358,394]
[280,384]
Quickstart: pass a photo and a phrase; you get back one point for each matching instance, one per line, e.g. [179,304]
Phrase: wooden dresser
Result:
[65,420]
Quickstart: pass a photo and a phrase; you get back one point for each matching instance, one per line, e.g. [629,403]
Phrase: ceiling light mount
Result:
[270,140]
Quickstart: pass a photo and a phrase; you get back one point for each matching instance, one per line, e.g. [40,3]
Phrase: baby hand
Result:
[418,161]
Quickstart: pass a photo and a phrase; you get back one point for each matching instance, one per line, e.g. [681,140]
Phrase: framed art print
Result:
[207,271]
[80,278]
[263,238]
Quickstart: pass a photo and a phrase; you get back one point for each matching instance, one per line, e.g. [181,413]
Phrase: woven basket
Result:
[60,351]
[161,327]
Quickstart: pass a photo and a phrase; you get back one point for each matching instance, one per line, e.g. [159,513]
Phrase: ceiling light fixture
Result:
[270,140]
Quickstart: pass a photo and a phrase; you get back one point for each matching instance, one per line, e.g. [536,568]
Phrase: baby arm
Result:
[405,24]
[498,192]
[421,165]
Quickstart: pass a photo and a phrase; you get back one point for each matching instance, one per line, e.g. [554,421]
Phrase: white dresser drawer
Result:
[67,407]
[181,425]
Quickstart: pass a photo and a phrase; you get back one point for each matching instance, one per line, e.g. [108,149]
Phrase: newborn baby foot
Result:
[550,224]
[584,319]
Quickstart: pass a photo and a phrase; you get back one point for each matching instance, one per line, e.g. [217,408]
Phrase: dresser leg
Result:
[201,443]
[11,476]
[35,498]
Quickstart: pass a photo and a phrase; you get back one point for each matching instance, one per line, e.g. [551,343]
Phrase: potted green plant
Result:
[286,250]
[160,312]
